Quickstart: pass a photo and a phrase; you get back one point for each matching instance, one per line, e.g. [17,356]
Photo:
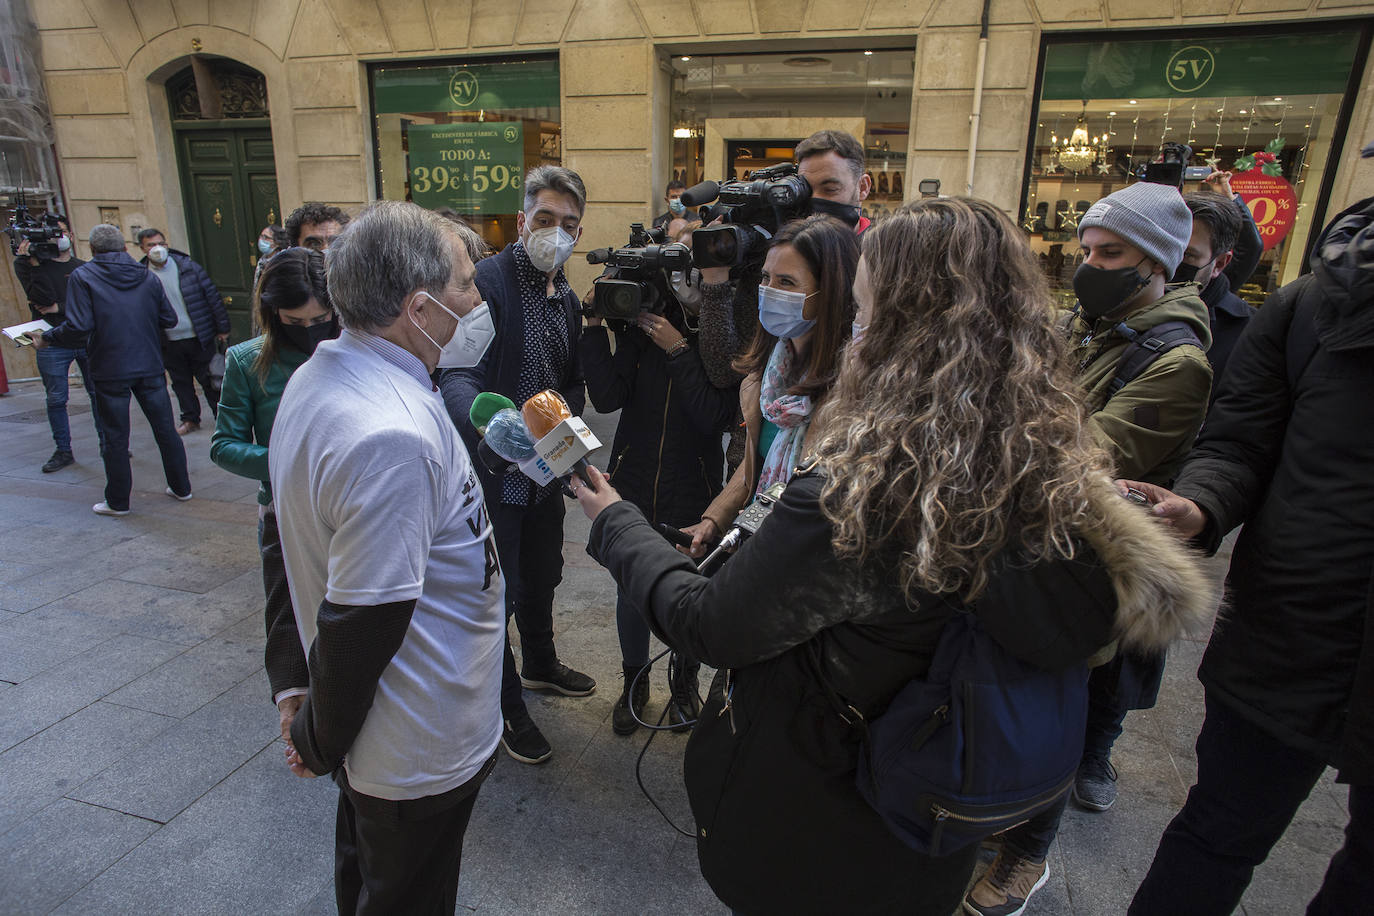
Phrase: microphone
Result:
[507,444]
[562,440]
[484,406]
[699,194]
[747,523]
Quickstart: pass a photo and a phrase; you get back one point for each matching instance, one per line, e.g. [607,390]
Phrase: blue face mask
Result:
[676,206]
[264,246]
[780,312]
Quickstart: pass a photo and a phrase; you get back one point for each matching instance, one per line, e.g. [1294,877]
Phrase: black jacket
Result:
[46,284]
[499,370]
[1288,451]
[117,310]
[1229,315]
[667,457]
[781,827]
[203,301]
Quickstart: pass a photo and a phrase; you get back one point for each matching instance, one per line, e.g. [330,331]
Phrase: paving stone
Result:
[58,760]
[21,658]
[52,855]
[193,678]
[164,613]
[260,841]
[60,691]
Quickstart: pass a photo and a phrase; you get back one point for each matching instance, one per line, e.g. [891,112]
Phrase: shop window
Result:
[1267,108]
[459,136]
[757,107]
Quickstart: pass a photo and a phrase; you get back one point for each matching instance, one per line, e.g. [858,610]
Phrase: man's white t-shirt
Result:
[377,502]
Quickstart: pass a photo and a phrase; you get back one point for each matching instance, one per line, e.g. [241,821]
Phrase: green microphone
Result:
[484,406]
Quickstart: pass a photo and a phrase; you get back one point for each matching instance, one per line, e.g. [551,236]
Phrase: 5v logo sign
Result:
[1190,69]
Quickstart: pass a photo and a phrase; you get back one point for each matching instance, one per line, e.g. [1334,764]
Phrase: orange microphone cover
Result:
[544,411]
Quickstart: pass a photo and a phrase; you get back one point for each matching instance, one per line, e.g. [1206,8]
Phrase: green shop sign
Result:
[473,167]
[1193,68]
[489,86]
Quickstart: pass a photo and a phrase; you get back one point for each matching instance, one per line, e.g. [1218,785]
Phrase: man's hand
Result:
[36,338]
[222,338]
[48,309]
[297,765]
[287,710]
[593,321]
[22,250]
[1220,182]
[1183,515]
[595,494]
[704,533]
[660,331]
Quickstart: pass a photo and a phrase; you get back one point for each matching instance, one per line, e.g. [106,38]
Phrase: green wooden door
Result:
[229,183]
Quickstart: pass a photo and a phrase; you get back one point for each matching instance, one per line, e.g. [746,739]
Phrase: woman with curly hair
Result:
[954,475]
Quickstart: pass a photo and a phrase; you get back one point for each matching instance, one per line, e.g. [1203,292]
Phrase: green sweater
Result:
[247,408]
[1150,425]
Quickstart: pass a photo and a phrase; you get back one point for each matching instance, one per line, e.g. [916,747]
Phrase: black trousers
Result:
[186,360]
[401,857]
[1249,786]
[529,540]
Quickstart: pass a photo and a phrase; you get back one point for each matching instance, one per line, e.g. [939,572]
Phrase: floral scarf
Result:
[791,413]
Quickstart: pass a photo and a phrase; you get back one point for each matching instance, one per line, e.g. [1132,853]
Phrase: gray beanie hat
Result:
[1152,217]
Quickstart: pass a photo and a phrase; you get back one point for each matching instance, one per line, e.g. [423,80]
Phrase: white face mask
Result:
[781,312]
[549,247]
[687,288]
[158,254]
[64,243]
[470,339]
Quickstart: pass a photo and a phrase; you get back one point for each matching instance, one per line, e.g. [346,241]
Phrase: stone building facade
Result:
[106,63]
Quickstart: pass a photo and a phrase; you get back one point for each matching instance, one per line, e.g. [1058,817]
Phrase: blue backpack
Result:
[984,742]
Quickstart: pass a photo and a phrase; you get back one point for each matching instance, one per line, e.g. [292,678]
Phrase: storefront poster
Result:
[473,166]
[1271,201]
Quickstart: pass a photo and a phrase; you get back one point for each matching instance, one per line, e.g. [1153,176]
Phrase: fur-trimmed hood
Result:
[1162,592]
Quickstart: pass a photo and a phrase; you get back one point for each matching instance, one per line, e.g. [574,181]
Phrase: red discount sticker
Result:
[1271,201]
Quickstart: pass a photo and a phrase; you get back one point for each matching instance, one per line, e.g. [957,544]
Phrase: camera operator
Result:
[832,162]
[45,284]
[666,459]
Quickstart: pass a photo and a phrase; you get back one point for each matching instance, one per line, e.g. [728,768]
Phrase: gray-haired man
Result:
[391,563]
[538,325]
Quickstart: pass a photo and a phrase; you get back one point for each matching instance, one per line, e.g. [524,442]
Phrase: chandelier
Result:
[1078,152]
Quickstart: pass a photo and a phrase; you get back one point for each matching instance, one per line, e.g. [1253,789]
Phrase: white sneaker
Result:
[104,509]
[170,492]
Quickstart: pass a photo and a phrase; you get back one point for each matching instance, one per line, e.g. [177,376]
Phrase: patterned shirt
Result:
[546,355]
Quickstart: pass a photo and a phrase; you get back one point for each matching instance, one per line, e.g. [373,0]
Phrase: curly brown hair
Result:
[955,429]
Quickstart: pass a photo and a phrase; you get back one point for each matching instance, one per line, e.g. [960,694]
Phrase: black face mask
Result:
[1103,292]
[1187,273]
[306,339]
[845,213]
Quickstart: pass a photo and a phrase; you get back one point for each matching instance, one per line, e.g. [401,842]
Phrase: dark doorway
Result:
[228,174]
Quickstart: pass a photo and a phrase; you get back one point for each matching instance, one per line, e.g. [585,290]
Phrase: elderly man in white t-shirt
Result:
[392,564]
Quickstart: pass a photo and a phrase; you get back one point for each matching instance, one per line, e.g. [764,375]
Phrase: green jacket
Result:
[1149,426]
[247,408]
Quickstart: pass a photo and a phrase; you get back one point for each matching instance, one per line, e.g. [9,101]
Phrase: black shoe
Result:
[559,679]
[685,706]
[58,461]
[523,741]
[623,720]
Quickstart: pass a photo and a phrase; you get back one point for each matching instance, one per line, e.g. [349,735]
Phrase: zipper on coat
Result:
[662,437]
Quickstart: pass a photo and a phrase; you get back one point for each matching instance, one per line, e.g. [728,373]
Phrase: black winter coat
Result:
[781,827]
[1288,451]
[203,302]
[667,457]
[1229,314]
[117,311]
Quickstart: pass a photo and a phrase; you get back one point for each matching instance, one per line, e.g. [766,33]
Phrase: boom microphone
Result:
[699,194]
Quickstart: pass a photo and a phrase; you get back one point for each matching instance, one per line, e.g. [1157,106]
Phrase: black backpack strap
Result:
[1148,346]
[1301,344]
